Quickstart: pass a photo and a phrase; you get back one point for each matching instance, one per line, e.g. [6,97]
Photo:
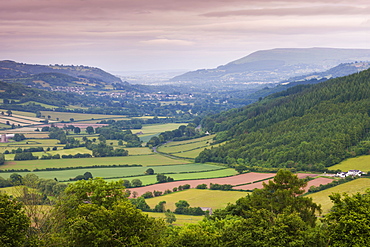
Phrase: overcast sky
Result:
[126,35]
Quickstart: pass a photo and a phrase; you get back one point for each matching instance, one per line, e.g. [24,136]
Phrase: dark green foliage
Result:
[136,183]
[90,130]
[349,220]
[2,159]
[220,186]
[183,207]
[149,171]
[148,194]
[310,129]
[14,222]
[25,156]
[161,178]
[202,186]
[97,213]
[19,137]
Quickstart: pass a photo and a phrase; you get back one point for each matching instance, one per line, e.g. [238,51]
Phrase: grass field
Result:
[361,163]
[151,129]
[144,160]
[352,187]
[113,172]
[146,180]
[180,219]
[214,199]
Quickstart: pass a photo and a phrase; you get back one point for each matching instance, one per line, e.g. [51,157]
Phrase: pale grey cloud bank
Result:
[172,34]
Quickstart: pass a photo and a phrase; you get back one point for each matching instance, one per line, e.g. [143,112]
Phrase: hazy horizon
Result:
[147,35]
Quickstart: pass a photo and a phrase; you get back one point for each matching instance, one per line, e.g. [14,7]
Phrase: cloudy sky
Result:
[126,35]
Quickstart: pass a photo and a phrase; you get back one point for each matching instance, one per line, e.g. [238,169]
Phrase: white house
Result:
[349,173]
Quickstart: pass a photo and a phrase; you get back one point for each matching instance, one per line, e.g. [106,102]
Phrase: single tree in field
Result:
[149,171]
[89,130]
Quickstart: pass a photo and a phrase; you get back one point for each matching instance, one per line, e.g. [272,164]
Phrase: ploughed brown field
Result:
[314,182]
[318,181]
[234,180]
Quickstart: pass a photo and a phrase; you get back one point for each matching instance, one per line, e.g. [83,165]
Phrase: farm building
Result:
[349,173]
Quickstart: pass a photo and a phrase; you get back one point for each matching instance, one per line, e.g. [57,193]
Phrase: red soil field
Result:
[318,181]
[234,180]
[259,185]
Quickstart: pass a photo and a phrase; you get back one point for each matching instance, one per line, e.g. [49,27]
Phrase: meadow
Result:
[144,160]
[180,218]
[352,187]
[214,199]
[123,172]
[361,163]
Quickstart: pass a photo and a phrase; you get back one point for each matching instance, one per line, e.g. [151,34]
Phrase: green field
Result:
[146,180]
[144,160]
[180,219]
[361,163]
[114,172]
[352,187]
[214,199]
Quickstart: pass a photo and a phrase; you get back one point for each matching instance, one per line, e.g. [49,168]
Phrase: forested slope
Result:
[309,127]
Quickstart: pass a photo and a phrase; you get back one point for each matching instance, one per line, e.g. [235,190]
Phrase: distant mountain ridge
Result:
[272,66]
[10,70]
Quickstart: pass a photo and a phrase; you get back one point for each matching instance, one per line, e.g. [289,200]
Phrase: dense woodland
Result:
[309,127]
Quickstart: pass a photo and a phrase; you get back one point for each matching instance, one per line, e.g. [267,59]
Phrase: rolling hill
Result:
[57,75]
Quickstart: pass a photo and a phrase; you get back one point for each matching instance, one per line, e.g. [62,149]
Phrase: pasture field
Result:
[73,151]
[352,187]
[144,160]
[192,154]
[182,147]
[183,177]
[151,129]
[115,172]
[21,113]
[215,199]
[180,218]
[361,163]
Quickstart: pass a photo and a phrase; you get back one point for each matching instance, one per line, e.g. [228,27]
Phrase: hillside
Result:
[308,126]
[275,65]
[12,70]
[343,69]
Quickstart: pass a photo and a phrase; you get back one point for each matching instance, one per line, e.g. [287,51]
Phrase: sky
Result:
[143,35]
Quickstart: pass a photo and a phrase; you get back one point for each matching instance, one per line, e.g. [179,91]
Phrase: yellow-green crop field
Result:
[352,187]
[180,218]
[214,199]
[361,163]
